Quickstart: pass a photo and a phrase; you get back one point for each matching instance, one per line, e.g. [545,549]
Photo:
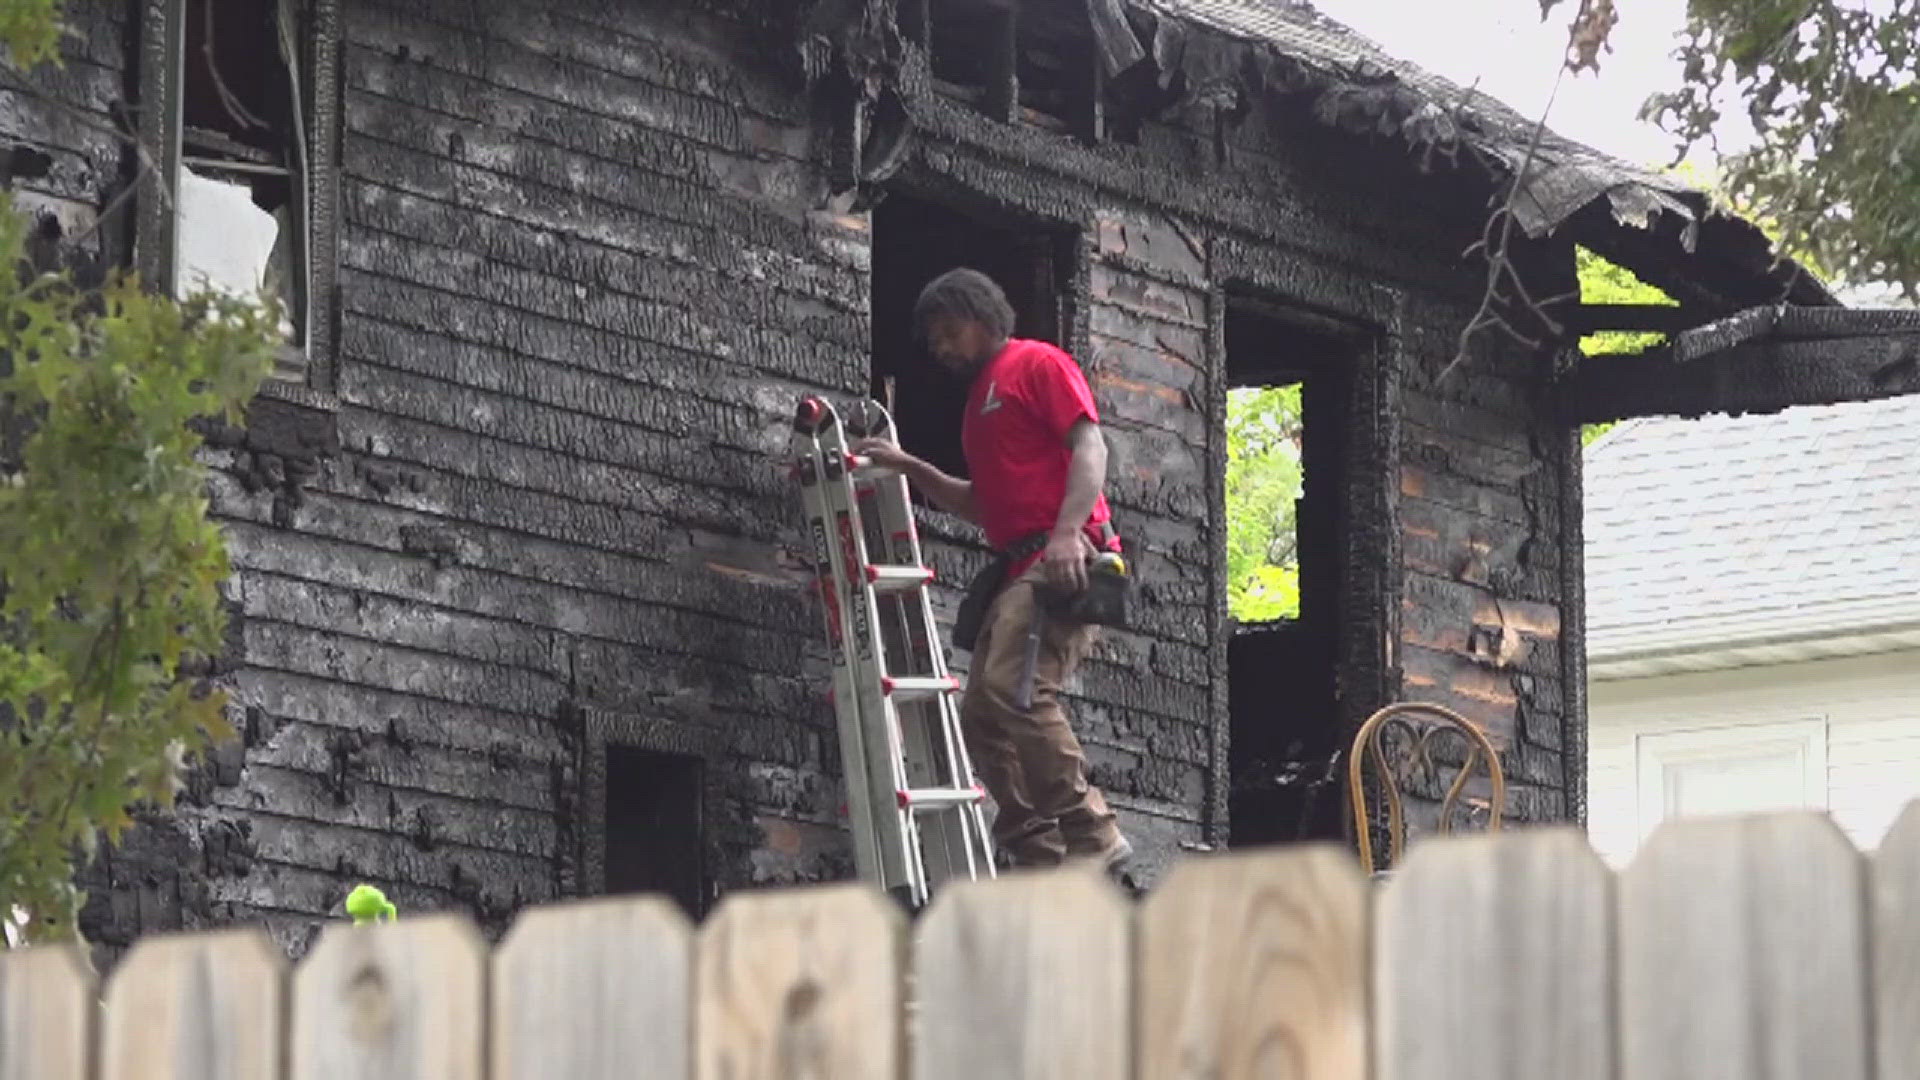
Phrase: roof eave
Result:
[1679,655]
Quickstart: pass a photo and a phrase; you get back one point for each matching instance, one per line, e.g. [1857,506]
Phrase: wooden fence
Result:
[1745,947]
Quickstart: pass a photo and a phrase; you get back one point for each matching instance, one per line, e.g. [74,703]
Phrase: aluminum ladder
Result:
[913,804]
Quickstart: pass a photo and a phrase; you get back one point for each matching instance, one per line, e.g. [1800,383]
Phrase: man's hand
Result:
[1065,560]
[953,496]
[884,454]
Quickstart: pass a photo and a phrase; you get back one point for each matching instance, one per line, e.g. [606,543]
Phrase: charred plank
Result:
[1761,376]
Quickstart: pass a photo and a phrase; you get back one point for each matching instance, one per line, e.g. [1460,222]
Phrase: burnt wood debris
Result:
[520,608]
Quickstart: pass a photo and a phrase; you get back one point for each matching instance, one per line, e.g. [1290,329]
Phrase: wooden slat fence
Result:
[1757,946]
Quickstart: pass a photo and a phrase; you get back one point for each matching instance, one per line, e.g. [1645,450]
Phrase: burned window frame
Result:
[599,730]
[1005,26]
[1054,250]
[317,186]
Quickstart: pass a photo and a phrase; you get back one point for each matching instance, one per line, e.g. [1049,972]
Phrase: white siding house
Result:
[1753,632]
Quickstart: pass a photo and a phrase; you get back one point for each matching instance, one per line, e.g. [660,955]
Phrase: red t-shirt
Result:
[1014,434]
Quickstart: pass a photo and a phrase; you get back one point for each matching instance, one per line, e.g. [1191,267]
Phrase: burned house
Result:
[520,606]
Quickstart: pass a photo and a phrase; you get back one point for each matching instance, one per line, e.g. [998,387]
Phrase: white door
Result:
[1738,769]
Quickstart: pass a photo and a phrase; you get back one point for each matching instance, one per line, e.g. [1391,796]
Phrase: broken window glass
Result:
[240,215]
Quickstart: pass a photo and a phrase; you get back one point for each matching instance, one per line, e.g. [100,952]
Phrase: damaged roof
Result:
[1663,228]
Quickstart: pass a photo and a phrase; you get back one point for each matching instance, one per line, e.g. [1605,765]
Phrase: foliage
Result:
[1263,484]
[1603,282]
[110,570]
[30,31]
[1832,91]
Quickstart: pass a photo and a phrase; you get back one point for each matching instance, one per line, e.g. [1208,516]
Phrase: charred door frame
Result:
[1372,316]
[940,185]
[599,729]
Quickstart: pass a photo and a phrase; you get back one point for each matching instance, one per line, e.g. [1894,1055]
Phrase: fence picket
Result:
[46,1013]
[391,1002]
[1752,945]
[1742,951]
[588,990]
[1896,945]
[1025,977]
[1494,959]
[799,983]
[1254,965]
[208,1006]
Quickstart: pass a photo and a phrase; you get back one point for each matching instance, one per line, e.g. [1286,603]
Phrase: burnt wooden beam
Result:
[1764,375]
[915,21]
[1087,116]
[1113,38]
[1646,318]
[1002,98]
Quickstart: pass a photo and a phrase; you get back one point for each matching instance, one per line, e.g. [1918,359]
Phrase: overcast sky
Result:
[1515,57]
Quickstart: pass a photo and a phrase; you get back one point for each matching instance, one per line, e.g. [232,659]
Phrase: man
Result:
[1031,435]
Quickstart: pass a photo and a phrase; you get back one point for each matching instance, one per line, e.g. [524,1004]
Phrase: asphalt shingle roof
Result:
[1721,531]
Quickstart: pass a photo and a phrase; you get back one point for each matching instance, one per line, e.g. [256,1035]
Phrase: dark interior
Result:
[1053,46]
[236,98]
[915,241]
[654,840]
[967,38]
[1281,676]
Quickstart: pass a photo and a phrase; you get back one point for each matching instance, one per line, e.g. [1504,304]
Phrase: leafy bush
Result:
[110,569]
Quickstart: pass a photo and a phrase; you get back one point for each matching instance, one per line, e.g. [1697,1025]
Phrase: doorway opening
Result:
[654,832]
[1287,428]
[915,241]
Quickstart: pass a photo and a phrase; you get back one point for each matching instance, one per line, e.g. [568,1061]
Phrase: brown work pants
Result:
[1030,760]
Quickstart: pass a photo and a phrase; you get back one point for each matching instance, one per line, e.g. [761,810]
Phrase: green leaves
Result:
[110,570]
[1263,485]
[1831,93]
[30,31]
[1603,282]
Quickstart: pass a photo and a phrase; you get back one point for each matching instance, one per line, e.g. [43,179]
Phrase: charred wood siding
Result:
[584,271]
[1487,601]
[1147,694]
[579,292]
[63,149]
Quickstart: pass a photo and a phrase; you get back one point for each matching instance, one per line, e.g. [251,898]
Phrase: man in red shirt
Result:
[1037,462]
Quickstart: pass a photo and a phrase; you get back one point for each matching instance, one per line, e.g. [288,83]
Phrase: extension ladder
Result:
[913,804]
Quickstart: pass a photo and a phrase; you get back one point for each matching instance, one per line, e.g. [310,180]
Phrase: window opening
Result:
[240,214]
[1056,68]
[969,46]
[654,828]
[1285,426]
[915,241]
[1028,61]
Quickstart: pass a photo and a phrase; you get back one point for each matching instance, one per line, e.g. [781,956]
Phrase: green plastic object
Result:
[367,904]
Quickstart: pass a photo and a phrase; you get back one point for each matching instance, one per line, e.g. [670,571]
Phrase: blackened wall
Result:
[61,152]
[580,288]
[589,257]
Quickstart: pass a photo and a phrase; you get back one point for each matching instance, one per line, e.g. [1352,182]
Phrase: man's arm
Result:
[949,493]
[1067,547]
[1085,475]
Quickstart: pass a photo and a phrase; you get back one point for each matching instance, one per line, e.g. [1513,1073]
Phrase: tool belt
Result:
[1102,602]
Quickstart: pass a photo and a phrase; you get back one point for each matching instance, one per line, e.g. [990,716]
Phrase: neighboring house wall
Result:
[1731,741]
[1754,617]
